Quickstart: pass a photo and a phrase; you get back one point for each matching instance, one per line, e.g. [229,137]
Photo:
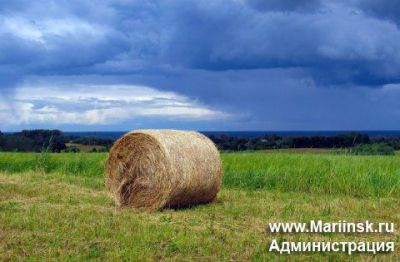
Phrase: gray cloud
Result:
[383,9]
[285,5]
[238,56]
[337,44]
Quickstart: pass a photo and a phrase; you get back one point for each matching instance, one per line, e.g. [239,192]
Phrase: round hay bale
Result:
[153,169]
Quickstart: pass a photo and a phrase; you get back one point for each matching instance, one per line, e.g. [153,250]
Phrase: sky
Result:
[80,65]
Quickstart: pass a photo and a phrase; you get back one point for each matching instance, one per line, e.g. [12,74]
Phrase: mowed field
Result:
[55,206]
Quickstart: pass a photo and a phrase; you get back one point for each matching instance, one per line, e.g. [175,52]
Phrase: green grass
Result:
[359,176]
[55,207]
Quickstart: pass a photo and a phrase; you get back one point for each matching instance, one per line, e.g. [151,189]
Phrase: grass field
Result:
[55,206]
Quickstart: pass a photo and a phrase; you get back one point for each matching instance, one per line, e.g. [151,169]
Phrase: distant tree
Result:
[91,141]
[50,140]
[72,149]
[17,143]
[391,141]
[373,149]
[33,140]
[2,142]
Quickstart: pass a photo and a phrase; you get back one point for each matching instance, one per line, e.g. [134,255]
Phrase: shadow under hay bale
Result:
[152,169]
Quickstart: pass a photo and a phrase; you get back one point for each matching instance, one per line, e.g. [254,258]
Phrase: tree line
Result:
[56,141]
[349,140]
[42,140]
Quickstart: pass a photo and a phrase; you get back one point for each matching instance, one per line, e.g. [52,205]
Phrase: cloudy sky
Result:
[205,65]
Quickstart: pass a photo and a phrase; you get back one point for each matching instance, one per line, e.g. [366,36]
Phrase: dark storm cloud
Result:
[337,45]
[333,41]
[248,54]
[78,37]
[383,9]
[285,5]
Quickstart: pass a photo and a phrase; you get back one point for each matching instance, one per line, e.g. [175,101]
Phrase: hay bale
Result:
[153,169]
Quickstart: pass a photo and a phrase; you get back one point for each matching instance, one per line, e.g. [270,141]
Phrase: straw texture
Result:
[152,169]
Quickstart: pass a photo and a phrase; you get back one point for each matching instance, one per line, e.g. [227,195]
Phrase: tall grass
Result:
[360,176]
[88,165]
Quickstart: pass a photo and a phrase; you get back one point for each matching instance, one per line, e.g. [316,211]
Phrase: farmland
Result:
[55,206]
